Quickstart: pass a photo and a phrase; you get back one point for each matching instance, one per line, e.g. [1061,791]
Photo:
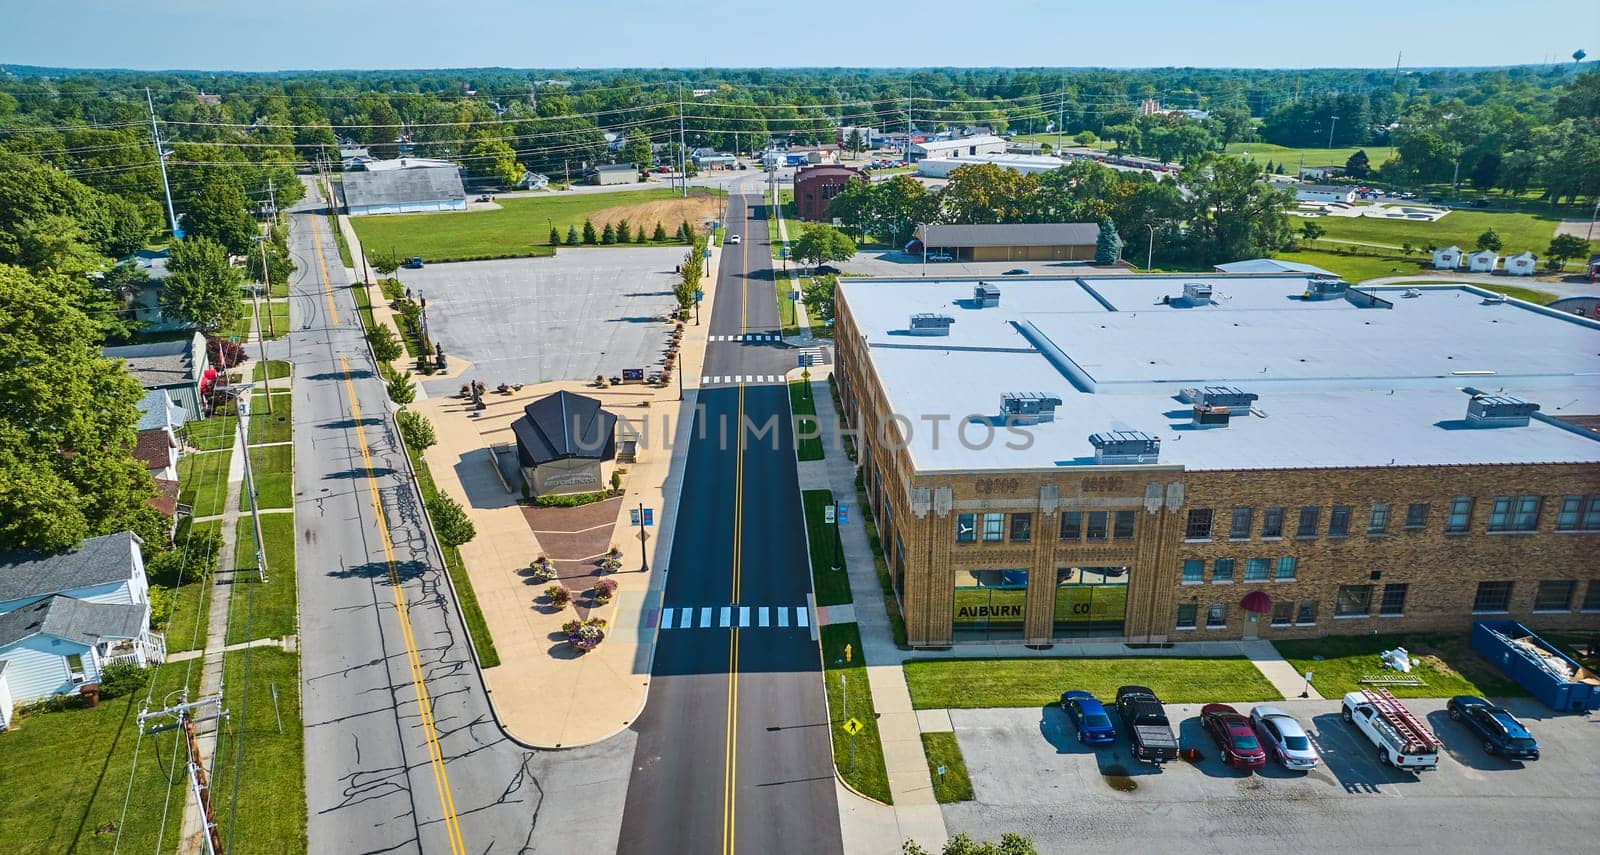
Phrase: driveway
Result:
[1031,776]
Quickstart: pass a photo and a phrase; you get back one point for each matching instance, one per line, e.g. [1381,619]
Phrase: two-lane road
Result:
[733,746]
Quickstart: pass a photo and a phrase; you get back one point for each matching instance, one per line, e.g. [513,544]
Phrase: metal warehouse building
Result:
[1211,457]
[404,191]
[1014,242]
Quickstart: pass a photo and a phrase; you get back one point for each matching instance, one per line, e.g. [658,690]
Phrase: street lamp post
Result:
[1331,126]
[1150,250]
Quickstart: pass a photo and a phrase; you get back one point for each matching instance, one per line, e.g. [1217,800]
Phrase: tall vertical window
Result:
[1096,529]
[1071,525]
[1570,514]
[1591,515]
[1239,525]
[1339,521]
[1353,601]
[966,528]
[1222,572]
[1378,523]
[1287,568]
[1460,515]
[994,527]
[1416,516]
[1199,525]
[1186,615]
[1591,596]
[1217,616]
[1554,595]
[75,664]
[1310,517]
[1021,528]
[1306,613]
[1492,597]
[1393,603]
[1282,613]
[1123,525]
[1272,522]
[1194,571]
[1527,515]
[1255,569]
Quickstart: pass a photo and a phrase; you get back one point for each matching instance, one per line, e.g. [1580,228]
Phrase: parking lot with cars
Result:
[1030,774]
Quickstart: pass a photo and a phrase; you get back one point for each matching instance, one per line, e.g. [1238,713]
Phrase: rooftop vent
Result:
[1197,293]
[1412,293]
[1125,446]
[1224,396]
[1027,408]
[1485,410]
[1212,415]
[986,295]
[1326,289]
[927,323]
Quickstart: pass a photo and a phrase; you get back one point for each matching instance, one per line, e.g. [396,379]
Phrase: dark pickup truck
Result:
[1148,728]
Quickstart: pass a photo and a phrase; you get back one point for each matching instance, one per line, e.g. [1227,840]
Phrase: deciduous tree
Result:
[201,288]
[450,521]
[218,211]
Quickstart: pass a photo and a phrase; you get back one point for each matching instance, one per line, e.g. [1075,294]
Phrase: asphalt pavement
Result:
[733,745]
[402,751]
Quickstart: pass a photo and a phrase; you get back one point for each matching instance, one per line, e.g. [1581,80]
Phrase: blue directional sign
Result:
[698,294]
[803,360]
[844,513]
[649,516]
[794,296]
[705,253]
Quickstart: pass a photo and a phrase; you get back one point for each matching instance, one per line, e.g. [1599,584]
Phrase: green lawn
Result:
[1032,682]
[1294,158]
[213,434]
[1356,268]
[274,606]
[471,612]
[279,320]
[808,438]
[1449,667]
[275,368]
[279,290]
[786,313]
[276,426]
[942,749]
[203,481]
[517,228]
[272,466]
[268,790]
[67,774]
[867,775]
[186,629]
[832,587]
[1518,231]
[240,330]
[345,257]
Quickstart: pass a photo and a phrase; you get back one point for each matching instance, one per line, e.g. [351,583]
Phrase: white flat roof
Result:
[1339,385]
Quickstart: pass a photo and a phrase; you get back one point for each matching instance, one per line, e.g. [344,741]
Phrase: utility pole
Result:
[161,160]
[683,166]
[1061,122]
[1150,250]
[185,719]
[261,340]
[240,396]
[1331,126]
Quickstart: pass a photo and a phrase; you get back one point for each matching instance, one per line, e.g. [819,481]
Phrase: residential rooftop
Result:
[1340,384]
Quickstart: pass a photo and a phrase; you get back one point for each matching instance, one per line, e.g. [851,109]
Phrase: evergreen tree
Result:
[660,235]
[572,235]
[590,237]
[609,235]
[624,232]
[555,236]
[687,231]
[638,236]
[1108,247]
[1358,166]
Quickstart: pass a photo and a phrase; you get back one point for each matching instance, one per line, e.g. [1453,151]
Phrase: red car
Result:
[1234,735]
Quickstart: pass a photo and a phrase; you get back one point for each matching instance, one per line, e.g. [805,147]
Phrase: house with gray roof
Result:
[406,190]
[177,366]
[65,616]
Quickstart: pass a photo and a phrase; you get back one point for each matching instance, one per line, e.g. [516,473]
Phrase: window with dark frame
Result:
[1199,525]
[1186,615]
[1492,597]
[1500,514]
[1554,595]
[1122,525]
[1393,603]
[1591,596]
[1339,521]
[994,527]
[1416,516]
[1287,568]
[1222,572]
[1310,518]
[1217,616]
[1527,515]
[1353,601]
[1071,525]
[1095,529]
[1571,513]
[1272,522]
[1255,569]
[1021,528]
[1194,571]
[1460,515]
[1306,613]
[966,528]
[1282,613]
[1240,523]
[1378,522]
[1591,515]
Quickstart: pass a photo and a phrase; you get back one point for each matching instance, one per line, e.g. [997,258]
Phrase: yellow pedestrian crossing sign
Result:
[852,725]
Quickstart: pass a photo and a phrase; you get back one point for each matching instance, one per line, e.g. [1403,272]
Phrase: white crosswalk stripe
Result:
[744,616]
[761,617]
[729,617]
[727,613]
[705,617]
[801,616]
[783,617]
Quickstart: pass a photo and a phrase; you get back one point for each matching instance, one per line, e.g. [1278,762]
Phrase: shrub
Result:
[660,234]
[624,232]
[586,636]
[611,563]
[389,286]
[450,522]
[604,590]
[223,354]
[416,430]
[559,596]
[122,678]
[162,601]
[543,573]
[385,345]
[571,501]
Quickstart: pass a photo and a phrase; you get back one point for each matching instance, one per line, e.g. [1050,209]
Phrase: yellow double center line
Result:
[730,768]
[327,284]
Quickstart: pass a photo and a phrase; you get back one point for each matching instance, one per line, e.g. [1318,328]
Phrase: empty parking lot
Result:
[581,313]
[1029,775]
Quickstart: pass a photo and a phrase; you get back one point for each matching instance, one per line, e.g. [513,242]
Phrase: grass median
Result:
[213,434]
[850,696]
[1034,682]
[272,467]
[832,586]
[1447,665]
[274,426]
[808,438]
[471,612]
[944,752]
[259,786]
[203,481]
[272,602]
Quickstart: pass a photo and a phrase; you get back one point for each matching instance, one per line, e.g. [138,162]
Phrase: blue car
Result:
[1500,731]
[1089,718]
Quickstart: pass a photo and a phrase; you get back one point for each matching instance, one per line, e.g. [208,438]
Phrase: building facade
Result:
[1012,241]
[1322,527]
[815,187]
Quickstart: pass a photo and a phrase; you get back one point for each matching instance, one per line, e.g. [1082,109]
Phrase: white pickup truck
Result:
[1402,740]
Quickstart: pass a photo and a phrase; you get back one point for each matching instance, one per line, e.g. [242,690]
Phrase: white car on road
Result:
[733,239]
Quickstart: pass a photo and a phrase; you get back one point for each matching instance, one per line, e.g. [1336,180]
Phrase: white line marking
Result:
[727,616]
[744,615]
[666,618]
[705,381]
[800,616]
[783,615]
[761,616]
[705,617]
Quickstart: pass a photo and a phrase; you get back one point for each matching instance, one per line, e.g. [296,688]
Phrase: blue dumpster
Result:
[1537,665]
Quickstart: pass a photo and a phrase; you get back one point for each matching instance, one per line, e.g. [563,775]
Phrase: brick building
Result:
[815,187]
[1203,457]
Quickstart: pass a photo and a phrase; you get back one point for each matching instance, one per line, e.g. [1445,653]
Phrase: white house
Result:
[1522,264]
[1448,258]
[1324,193]
[962,147]
[65,617]
[1483,261]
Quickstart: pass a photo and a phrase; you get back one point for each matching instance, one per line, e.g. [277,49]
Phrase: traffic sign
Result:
[794,296]
[844,513]
[705,253]
[852,725]
[802,360]
[698,294]
[827,514]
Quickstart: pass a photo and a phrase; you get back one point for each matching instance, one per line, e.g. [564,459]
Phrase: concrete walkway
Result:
[800,318]
[1289,682]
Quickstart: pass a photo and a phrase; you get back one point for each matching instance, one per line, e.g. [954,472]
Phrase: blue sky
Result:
[255,35]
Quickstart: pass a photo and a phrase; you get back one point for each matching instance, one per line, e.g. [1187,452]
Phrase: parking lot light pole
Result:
[1150,250]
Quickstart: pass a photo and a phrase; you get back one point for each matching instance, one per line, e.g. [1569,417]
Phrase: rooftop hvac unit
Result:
[986,295]
[1326,289]
[1028,408]
[1224,396]
[1485,410]
[927,323]
[1125,446]
[1209,415]
[1197,293]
